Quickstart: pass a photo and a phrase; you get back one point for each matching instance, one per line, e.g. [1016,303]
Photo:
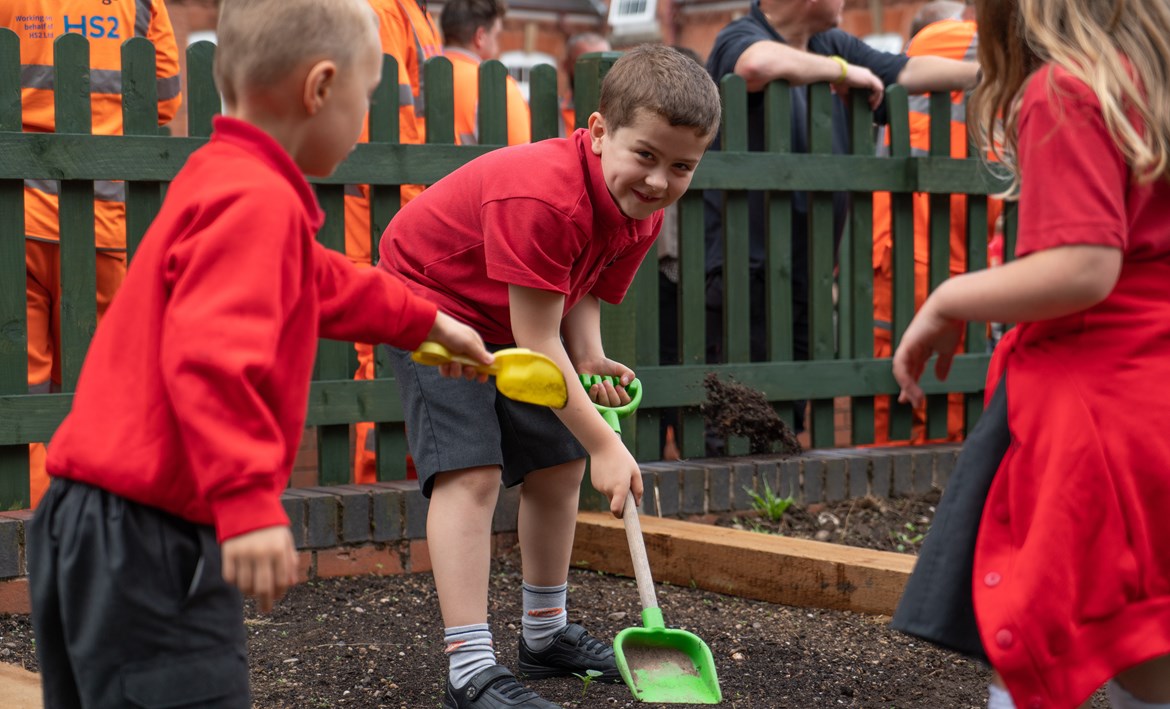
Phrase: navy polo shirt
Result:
[731,42]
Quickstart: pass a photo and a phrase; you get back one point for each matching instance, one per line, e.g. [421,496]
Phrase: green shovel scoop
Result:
[657,663]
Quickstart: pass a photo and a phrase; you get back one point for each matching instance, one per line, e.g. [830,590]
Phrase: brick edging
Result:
[347,530]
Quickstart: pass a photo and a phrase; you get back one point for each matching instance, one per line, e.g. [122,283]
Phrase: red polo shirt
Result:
[193,395]
[534,215]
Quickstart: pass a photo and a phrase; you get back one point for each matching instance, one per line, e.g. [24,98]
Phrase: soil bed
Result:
[898,524]
[377,641]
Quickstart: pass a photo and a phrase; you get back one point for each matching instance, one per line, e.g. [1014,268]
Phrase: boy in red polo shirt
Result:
[192,400]
[523,244]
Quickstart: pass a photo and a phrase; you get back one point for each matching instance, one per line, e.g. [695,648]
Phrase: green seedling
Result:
[909,538]
[770,504]
[587,679]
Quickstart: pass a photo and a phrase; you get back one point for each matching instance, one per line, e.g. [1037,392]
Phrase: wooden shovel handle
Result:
[638,553]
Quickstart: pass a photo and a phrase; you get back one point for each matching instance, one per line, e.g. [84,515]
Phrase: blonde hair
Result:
[261,41]
[1119,49]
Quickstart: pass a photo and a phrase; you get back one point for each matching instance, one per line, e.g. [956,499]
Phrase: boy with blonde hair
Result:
[165,500]
[523,244]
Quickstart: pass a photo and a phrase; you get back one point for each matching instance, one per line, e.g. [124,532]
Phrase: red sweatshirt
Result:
[193,396]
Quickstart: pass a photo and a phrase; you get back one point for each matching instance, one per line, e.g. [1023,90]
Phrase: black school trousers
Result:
[129,606]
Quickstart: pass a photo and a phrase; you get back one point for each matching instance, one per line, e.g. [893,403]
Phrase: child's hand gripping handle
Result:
[612,414]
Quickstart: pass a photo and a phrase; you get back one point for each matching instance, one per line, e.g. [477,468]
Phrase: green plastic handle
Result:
[612,414]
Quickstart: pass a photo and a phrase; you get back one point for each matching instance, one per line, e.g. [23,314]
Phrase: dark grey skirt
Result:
[937,604]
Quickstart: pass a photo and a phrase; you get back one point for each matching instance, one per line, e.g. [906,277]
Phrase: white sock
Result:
[1120,698]
[544,614]
[469,650]
[998,698]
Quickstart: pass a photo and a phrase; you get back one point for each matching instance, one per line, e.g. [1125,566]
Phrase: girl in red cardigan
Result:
[1050,554]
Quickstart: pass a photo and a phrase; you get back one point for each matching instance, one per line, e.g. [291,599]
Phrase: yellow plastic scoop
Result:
[521,374]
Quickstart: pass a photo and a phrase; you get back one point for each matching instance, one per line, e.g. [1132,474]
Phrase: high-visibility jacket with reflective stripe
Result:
[106,25]
[409,34]
[465,78]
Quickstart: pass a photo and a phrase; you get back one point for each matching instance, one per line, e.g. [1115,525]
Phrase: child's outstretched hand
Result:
[929,333]
[262,564]
[459,339]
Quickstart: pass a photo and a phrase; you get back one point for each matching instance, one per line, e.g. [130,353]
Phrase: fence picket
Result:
[860,284]
[902,228]
[821,344]
[334,359]
[493,103]
[543,103]
[14,493]
[692,311]
[389,436]
[78,314]
[940,241]
[203,101]
[440,100]
[139,117]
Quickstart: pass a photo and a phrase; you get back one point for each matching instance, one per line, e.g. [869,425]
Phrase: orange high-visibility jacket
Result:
[954,39]
[409,34]
[465,78]
[106,25]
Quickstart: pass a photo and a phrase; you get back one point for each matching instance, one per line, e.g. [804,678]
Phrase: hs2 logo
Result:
[93,26]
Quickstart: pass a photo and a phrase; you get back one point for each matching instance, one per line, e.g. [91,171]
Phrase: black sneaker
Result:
[572,652]
[494,688]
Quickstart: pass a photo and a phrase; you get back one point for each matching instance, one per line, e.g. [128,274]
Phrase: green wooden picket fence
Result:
[841,338]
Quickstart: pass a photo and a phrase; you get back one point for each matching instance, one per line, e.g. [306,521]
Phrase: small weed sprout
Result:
[909,538]
[587,679]
[770,504]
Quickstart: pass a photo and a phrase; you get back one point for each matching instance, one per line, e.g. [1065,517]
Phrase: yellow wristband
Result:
[844,68]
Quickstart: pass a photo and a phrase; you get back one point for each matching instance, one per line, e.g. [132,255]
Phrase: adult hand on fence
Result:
[262,564]
[929,333]
[858,78]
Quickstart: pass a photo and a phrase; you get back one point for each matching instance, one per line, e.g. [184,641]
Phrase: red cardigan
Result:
[193,395]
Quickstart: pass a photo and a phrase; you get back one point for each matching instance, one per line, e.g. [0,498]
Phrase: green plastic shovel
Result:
[658,664]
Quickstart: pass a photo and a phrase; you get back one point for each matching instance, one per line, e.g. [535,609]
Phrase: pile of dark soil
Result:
[732,409]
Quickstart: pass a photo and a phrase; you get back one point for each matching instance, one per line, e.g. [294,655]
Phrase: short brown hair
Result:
[261,41]
[658,78]
[461,18]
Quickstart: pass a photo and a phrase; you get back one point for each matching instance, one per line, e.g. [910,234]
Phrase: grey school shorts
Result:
[453,423]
